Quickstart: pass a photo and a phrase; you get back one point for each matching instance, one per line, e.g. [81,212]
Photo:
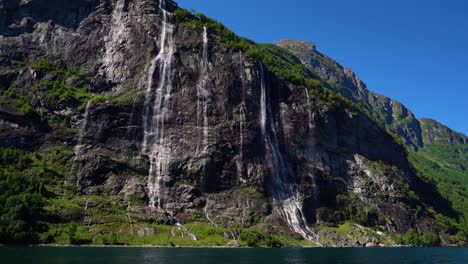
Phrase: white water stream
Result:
[157,109]
[202,97]
[115,41]
[242,120]
[157,103]
[78,149]
[286,199]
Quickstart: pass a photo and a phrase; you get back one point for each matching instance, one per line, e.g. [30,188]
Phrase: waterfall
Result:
[309,111]
[205,211]
[127,212]
[286,198]
[157,109]
[78,149]
[202,96]
[87,220]
[183,230]
[114,41]
[262,102]
[156,112]
[242,119]
[310,151]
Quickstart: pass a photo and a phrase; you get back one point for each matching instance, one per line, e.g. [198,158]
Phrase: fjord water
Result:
[71,255]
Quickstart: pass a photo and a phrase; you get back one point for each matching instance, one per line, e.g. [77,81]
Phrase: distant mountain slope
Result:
[395,116]
[438,153]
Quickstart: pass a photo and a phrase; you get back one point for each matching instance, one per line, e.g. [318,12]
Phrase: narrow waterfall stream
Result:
[310,151]
[156,110]
[116,38]
[309,111]
[157,100]
[242,119]
[286,198]
[87,219]
[202,97]
[78,149]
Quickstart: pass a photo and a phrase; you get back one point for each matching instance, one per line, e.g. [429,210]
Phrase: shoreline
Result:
[206,247]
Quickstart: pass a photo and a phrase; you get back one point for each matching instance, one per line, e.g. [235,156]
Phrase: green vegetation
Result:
[450,156]
[345,228]
[254,238]
[17,101]
[126,98]
[22,197]
[413,238]
[122,233]
[350,208]
[57,88]
[24,191]
[450,183]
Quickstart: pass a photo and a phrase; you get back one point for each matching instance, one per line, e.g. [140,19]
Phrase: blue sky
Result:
[415,51]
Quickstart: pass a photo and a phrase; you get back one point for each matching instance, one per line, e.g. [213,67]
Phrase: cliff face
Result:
[395,116]
[435,133]
[180,128]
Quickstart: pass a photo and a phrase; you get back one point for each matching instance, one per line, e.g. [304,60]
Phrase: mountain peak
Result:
[297,44]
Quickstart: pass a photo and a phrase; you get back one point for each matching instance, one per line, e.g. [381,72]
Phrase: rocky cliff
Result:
[137,115]
[434,132]
[437,152]
[395,116]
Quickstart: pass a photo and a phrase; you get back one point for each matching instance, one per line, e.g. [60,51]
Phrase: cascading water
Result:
[286,199]
[309,111]
[242,119]
[87,220]
[116,39]
[205,211]
[202,96]
[157,109]
[78,149]
[310,150]
[156,112]
[263,106]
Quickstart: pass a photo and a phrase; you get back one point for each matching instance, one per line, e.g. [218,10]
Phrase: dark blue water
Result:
[69,255]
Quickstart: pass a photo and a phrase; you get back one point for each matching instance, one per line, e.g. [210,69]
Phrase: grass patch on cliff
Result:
[451,184]
[17,101]
[56,86]
[127,98]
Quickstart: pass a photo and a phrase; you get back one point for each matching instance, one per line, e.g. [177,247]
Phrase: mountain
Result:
[141,123]
[437,152]
[395,116]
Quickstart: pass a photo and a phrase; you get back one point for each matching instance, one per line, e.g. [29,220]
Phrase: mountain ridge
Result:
[307,52]
[140,136]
